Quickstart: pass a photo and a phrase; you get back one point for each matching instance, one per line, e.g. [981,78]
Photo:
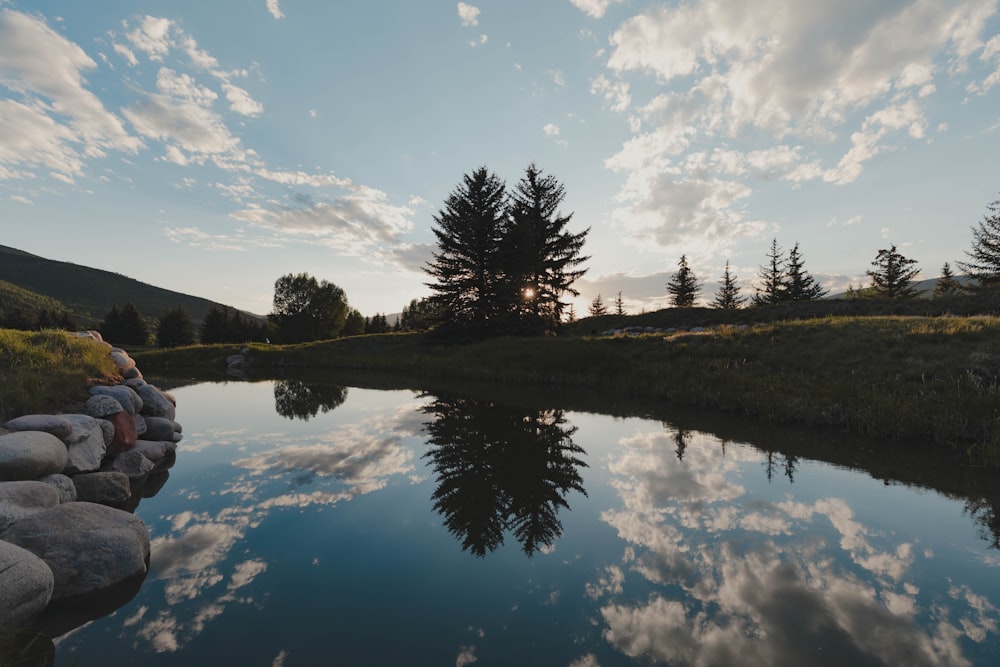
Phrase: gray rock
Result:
[22,499]
[158,428]
[132,374]
[87,546]
[63,484]
[107,430]
[26,585]
[102,406]
[54,424]
[156,403]
[86,444]
[140,425]
[134,383]
[123,394]
[31,454]
[134,465]
[121,359]
[107,488]
[156,450]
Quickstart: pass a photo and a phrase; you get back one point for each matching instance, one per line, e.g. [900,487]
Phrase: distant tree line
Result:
[30,320]
[504,259]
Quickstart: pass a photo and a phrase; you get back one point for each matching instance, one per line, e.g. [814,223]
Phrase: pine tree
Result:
[798,284]
[466,265]
[597,307]
[893,275]
[683,286]
[984,258]
[215,327]
[355,324]
[947,284]
[773,278]
[541,257]
[133,328]
[728,297]
[111,326]
[175,328]
[619,305]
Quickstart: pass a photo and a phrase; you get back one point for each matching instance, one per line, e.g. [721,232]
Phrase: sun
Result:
[529,293]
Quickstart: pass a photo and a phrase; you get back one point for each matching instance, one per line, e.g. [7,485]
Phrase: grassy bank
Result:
[46,371]
[931,378]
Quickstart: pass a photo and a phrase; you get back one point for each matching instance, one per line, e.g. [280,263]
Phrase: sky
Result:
[213,147]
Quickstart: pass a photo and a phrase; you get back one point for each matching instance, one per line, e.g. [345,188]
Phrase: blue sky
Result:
[211,147]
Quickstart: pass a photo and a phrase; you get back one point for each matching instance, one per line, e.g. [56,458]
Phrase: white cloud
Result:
[616,94]
[240,100]
[468,14]
[551,130]
[595,8]
[152,37]
[57,122]
[272,6]
[126,53]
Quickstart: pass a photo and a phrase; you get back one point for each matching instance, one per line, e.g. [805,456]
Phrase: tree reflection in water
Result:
[501,468]
[294,399]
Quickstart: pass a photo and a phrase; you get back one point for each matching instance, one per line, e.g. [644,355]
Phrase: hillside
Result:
[89,293]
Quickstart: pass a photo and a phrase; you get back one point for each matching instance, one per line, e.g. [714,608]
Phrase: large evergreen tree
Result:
[175,328]
[541,258]
[728,297]
[597,307]
[772,289]
[798,284]
[465,267]
[215,327]
[893,275]
[984,257]
[683,286]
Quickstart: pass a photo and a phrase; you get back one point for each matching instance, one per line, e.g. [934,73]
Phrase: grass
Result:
[45,371]
[902,377]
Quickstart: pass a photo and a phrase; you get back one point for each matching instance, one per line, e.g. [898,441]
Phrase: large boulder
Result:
[160,428]
[107,488]
[31,454]
[26,585]
[125,432]
[102,406]
[134,465]
[86,444]
[63,484]
[87,546]
[156,403]
[22,499]
[160,452]
[121,359]
[57,425]
[125,395]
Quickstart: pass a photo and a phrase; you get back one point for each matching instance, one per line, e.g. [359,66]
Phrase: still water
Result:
[316,524]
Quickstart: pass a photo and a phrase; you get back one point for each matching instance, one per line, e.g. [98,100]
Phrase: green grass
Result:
[931,378]
[45,371]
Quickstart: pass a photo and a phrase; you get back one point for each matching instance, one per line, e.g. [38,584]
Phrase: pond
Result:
[314,523]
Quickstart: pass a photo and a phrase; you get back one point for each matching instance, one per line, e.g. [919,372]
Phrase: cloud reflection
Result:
[738,580]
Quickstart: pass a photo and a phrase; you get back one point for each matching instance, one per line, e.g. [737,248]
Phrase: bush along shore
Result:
[934,379]
[69,483]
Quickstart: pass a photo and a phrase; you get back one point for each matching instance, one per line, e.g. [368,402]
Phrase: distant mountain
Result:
[89,293]
[924,287]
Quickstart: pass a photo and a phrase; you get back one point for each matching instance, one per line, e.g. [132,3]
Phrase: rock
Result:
[102,406]
[26,585]
[154,483]
[87,546]
[31,454]
[121,359]
[156,403]
[22,499]
[125,435]
[160,452]
[134,383]
[124,394]
[63,484]
[54,424]
[134,465]
[107,488]
[86,444]
[132,374]
[140,425]
[158,428]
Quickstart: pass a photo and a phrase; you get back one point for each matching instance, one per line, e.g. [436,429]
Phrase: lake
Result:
[313,523]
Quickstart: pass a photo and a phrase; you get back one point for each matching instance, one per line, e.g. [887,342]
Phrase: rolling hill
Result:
[89,293]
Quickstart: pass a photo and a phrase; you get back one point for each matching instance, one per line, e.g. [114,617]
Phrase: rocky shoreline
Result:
[68,486]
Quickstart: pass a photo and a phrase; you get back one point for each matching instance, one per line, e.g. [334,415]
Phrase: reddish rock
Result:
[125,435]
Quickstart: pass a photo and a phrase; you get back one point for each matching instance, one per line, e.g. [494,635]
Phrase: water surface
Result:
[314,524]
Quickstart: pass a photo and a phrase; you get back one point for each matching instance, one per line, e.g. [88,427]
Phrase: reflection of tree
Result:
[501,468]
[681,439]
[295,399]
[983,511]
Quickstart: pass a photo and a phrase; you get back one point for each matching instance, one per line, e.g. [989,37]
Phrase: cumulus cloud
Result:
[53,122]
[275,10]
[595,8]
[468,14]
[787,85]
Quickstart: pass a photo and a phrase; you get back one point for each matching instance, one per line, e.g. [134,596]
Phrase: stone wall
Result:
[68,486]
